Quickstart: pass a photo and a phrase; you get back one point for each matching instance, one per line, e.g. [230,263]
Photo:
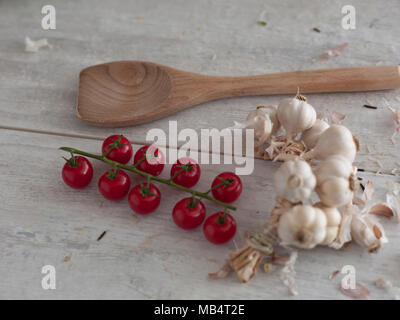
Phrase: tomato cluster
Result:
[144,198]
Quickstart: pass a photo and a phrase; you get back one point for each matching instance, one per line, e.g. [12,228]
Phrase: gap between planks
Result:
[89,137]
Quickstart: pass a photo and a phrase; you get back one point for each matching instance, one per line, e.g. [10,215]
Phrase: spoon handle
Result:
[312,81]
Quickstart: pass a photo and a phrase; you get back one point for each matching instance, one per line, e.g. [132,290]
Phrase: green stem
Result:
[177,173]
[147,175]
[215,187]
[139,162]
[193,202]
[221,218]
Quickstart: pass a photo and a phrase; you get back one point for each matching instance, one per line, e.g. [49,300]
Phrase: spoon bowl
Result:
[114,93]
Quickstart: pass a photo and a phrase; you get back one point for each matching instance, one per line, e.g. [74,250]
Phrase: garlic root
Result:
[303,226]
[245,262]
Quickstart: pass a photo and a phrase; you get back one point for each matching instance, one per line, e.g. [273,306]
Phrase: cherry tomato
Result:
[226,187]
[219,227]
[189,213]
[144,198]
[150,159]
[117,148]
[114,184]
[77,172]
[185,172]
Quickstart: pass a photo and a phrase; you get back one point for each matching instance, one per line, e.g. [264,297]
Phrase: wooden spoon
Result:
[132,92]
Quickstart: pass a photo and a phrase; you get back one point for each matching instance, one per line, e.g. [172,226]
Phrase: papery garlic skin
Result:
[294,180]
[336,140]
[262,125]
[335,181]
[344,234]
[311,136]
[271,111]
[334,219]
[303,226]
[367,232]
[296,115]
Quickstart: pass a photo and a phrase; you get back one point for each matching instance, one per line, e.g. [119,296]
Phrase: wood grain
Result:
[42,221]
[124,93]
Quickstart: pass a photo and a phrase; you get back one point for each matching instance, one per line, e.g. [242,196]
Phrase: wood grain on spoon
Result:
[132,92]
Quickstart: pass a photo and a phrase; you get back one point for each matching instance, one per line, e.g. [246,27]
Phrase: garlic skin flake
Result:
[296,115]
[336,140]
[311,136]
[294,180]
[336,181]
[367,232]
[334,219]
[35,45]
[303,226]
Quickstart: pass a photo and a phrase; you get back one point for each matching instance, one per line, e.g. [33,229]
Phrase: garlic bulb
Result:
[262,125]
[271,111]
[336,140]
[296,115]
[336,181]
[310,136]
[367,232]
[294,180]
[258,112]
[302,226]
[334,219]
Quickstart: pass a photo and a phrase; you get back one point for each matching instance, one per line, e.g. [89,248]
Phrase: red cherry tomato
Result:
[117,148]
[144,198]
[189,213]
[185,172]
[114,184]
[226,187]
[151,160]
[219,227]
[77,172]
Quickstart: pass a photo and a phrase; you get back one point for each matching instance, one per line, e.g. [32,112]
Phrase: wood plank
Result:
[39,90]
[42,221]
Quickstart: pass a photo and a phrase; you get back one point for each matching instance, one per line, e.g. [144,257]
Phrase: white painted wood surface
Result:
[42,221]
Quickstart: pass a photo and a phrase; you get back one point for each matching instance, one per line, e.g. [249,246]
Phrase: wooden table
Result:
[43,222]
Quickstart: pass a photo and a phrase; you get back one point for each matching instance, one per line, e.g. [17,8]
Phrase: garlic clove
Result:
[255,113]
[262,125]
[334,219]
[334,192]
[335,181]
[344,234]
[271,111]
[334,166]
[311,136]
[367,232]
[331,235]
